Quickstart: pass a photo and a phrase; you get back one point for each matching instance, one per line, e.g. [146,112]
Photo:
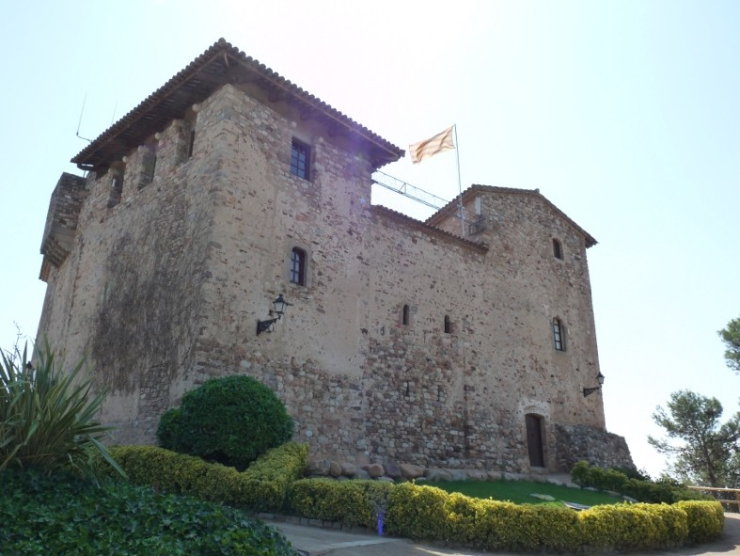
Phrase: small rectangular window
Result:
[298,266]
[300,160]
[557,249]
[558,334]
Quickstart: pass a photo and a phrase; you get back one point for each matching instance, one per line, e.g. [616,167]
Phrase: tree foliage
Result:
[231,420]
[47,415]
[731,337]
[706,451]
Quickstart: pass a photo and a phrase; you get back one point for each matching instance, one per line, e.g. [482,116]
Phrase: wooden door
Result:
[534,440]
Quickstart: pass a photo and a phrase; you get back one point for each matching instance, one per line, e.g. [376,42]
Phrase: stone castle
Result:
[404,340]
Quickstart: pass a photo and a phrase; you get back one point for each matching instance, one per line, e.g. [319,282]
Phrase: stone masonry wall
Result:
[576,443]
[164,290]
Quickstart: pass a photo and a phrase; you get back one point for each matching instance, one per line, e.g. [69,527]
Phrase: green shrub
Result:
[353,503]
[633,527]
[167,430]
[429,513]
[65,515]
[663,491]
[231,420]
[705,520]
[264,486]
[47,415]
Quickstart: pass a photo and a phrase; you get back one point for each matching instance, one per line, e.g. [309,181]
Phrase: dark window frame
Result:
[298,265]
[191,143]
[557,249]
[558,334]
[448,325]
[300,160]
[406,315]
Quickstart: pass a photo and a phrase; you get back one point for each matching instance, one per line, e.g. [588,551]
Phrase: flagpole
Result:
[460,208]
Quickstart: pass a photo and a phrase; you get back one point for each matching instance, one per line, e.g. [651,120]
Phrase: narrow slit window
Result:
[300,160]
[191,144]
[406,315]
[558,334]
[448,325]
[149,165]
[116,189]
[298,266]
[557,249]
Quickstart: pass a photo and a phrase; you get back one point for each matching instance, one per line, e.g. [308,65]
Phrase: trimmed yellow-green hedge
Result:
[428,513]
[422,512]
[705,520]
[352,503]
[263,486]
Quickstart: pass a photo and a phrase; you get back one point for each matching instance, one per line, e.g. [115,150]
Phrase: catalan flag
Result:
[434,145]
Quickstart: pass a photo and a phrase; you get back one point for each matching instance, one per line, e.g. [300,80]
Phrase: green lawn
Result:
[519,492]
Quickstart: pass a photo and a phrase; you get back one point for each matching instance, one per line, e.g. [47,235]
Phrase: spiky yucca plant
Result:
[47,416]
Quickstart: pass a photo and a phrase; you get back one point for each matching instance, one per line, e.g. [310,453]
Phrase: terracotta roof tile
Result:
[451,207]
[222,63]
[426,228]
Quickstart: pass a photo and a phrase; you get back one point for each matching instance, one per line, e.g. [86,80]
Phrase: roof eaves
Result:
[431,230]
[451,207]
[134,121]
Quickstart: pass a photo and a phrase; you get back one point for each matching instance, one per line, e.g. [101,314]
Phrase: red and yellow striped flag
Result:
[434,145]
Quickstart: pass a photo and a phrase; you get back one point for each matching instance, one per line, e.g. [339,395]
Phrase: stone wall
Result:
[576,443]
[165,288]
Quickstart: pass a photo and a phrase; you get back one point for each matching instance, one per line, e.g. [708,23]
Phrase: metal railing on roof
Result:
[408,190]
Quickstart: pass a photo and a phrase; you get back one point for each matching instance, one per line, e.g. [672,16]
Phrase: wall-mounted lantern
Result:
[269,325]
[589,391]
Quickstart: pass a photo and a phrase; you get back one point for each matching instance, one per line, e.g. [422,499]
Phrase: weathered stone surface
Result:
[335,470]
[375,470]
[411,471]
[170,277]
[438,475]
[362,475]
[458,475]
[494,475]
[475,475]
[348,469]
[320,467]
[392,470]
[574,443]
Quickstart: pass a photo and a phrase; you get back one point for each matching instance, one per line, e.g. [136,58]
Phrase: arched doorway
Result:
[535,437]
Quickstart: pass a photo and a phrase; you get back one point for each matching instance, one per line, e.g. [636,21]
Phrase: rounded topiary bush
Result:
[231,420]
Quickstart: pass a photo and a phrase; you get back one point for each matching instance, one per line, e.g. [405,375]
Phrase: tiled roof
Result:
[426,228]
[450,209]
[222,63]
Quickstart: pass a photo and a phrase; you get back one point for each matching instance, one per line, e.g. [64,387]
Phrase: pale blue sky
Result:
[625,114]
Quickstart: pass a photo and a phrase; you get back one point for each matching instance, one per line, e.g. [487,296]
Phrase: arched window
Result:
[558,334]
[406,318]
[298,266]
[448,325]
[557,248]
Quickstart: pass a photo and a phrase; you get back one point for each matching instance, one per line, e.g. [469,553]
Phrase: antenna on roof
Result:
[84,101]
[113,117]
